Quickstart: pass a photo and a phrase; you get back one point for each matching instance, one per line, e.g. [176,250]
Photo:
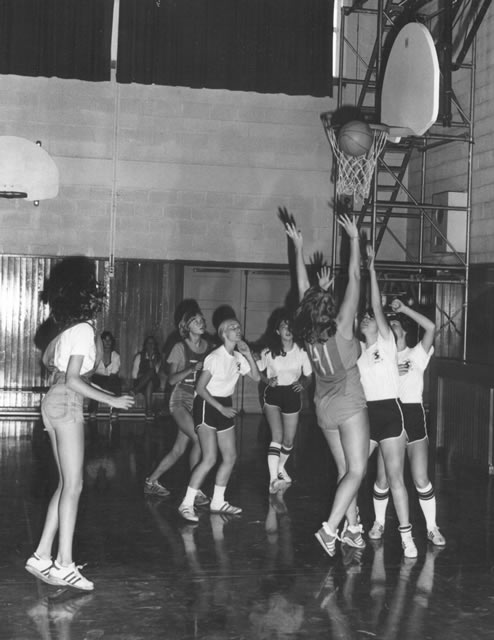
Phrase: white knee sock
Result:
[284,455]
[427,501]
[273,460]
[380,499]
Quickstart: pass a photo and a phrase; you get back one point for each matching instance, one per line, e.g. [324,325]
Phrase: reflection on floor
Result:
[258,576]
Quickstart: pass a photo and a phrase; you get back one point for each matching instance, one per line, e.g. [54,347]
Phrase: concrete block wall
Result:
[198,176]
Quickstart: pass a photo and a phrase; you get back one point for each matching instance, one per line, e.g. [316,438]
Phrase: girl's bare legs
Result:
[418,455]
[186,434]
[290,424]
[68,448]
[393,450]
[227,444]
[354,438]
[208,439]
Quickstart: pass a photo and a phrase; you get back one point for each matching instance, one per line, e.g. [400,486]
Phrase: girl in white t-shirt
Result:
[378,368]
[214,417]
[75,298]
[412,363]
[287,367]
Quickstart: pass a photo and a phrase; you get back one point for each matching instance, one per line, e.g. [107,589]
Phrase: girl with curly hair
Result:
[287,369]
[328,332]
[184,366]
[75,298]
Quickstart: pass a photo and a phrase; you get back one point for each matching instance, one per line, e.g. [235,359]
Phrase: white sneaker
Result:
[283,475]
[188,512]
[436,537]
[409,548]
[377,531]
[40,568]
[70,577]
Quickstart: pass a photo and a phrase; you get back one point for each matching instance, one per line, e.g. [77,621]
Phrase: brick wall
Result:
[199,176]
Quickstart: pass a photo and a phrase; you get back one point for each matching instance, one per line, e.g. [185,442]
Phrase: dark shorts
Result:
[284,397]
[385,419]
[414,420]
[181,399]
[204,414]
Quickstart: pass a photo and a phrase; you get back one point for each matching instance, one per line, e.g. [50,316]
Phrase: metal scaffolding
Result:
[403,215]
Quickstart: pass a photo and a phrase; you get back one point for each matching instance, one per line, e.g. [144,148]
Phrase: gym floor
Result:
[259,576]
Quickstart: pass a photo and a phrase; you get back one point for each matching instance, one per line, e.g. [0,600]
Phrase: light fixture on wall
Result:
[26,170]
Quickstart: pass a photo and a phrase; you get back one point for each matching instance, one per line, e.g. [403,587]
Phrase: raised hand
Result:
[397,305]
[324,278]
[348,223]
[295,235]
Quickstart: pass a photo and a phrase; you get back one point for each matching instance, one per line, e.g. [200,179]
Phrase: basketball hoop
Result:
[354,173]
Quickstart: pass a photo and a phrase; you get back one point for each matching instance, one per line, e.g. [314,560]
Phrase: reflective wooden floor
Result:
[259,576]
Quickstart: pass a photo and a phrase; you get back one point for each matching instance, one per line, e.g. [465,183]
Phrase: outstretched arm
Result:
[427,325]
[382,324]
[298,242]
[349,306]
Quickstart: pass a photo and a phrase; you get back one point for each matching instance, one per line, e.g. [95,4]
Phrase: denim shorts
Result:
[61,406]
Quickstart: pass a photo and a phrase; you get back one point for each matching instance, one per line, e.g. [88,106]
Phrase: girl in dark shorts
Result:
[328,333]
[287,367]
[214,417]
[184,365]
[378,368]
[412,362]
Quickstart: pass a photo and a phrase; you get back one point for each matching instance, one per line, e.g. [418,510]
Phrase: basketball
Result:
[355,138]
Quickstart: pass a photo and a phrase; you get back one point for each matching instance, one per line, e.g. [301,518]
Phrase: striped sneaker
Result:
[353,538]
[69,577]
[327,540]
[40,567]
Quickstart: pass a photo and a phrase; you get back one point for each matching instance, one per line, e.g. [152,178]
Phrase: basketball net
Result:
[354,173]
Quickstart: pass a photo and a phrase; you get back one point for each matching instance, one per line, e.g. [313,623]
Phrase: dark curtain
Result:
[63,38]
[267,46]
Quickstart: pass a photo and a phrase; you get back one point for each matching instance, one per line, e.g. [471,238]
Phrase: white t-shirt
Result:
[378,368]
[411,384]
[76,341]
[112,368]
[287,368]
[225,370]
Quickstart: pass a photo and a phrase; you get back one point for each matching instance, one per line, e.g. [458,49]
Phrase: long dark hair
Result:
[156,350]
[272,339]
[73,292]
[315,316]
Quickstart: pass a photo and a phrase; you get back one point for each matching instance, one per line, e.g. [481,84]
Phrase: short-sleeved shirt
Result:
[411,384]
[183,356]
[75,341]
[112,368]
[378,366]
[287,368]
[225,370]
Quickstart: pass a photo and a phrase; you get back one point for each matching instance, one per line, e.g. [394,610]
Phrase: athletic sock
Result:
[218,496]
[284,455]
[427,501]
[380,498]
[273,460]
[405,532]
[190,496]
